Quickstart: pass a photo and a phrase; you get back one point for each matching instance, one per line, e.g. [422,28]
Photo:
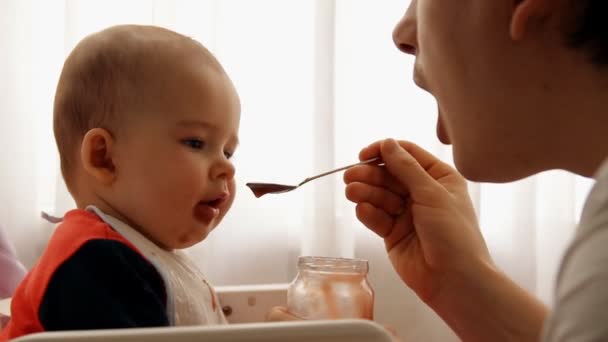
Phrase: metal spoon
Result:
[261,189]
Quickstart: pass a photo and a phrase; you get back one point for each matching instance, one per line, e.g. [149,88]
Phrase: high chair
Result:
[245,308]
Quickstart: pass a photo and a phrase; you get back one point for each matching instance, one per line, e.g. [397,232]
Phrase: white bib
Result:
[190,299]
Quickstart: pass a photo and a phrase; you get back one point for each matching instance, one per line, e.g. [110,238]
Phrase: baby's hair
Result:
[107,77]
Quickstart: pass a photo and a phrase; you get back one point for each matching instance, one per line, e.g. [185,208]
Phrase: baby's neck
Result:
[104,206]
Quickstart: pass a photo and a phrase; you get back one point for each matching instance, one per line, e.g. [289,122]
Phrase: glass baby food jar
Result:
[331,288]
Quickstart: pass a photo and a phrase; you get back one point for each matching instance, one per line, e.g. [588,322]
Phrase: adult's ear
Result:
[96,155]
[527,12]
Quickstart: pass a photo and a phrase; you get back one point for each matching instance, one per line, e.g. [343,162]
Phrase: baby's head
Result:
[146,121]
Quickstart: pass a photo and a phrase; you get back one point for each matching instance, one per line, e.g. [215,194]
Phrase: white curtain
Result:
[318,80]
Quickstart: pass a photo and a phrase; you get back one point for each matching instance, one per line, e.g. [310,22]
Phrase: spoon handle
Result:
[369,161]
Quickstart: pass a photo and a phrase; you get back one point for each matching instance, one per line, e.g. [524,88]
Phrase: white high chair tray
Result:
[248,304]
[317,331]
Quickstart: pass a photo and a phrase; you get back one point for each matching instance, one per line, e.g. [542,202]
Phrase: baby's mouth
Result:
[206,211]
[217,202]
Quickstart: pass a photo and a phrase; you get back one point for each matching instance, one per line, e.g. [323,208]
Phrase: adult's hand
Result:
[420,206]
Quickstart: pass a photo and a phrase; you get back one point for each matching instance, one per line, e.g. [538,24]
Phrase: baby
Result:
[146,121]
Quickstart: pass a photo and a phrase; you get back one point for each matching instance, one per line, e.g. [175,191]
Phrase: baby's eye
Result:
[228,154]
[196,144]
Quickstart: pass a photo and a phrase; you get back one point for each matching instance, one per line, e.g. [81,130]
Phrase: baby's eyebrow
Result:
[195,123]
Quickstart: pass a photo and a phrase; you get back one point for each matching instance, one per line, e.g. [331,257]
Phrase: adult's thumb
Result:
[406,169]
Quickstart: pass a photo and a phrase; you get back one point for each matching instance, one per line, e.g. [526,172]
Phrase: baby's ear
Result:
[527,12]
[96,155]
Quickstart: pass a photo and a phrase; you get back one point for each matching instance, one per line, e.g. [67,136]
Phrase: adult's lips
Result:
[419,79]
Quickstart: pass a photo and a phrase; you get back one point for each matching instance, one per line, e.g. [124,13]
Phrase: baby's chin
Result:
[192,238]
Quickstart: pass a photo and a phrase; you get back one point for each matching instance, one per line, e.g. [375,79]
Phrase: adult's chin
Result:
[442,134]
[470,164]
[483,168]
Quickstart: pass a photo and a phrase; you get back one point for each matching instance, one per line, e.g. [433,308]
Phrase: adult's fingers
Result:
[374,175]
[377,220]
[434,167]
[390,202]
[410,172]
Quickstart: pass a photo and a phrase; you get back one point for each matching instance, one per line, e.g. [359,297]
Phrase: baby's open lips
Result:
[216,202]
